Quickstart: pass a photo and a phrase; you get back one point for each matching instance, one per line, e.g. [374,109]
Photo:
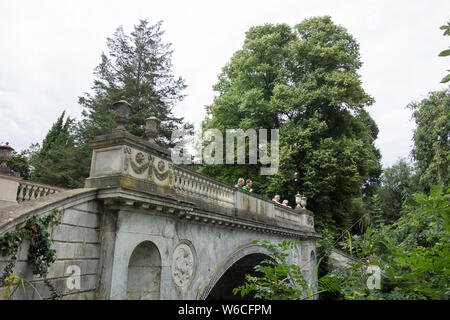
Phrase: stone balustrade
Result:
[195,185]
[28,191]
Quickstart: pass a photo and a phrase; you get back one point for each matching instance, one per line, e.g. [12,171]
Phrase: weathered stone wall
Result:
[213,247]
[76,241]
[100,239]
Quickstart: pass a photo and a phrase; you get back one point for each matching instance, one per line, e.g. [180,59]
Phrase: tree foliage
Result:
[56,162]
[396,188]
[431,148]
[304,82]
[137,67]
[413,253]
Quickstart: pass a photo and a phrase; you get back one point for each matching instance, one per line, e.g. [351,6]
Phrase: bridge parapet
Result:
[121,159]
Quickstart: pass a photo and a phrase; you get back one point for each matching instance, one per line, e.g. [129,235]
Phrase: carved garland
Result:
[139,166]
[160,175]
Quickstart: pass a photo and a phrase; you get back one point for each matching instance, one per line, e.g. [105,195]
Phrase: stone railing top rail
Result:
[40,185]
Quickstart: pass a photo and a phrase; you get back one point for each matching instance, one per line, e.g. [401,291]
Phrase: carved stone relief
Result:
[183,261]
[159,171]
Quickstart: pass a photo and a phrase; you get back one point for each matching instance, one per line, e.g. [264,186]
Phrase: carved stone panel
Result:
[183,264]
[161,172]
[146,166]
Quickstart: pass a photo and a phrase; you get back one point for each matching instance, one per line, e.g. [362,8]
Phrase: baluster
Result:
[187,184]
[190,184]
[19,193]
[184,184]
[196,186]
[208,189]
[33,192]
[25,192]
[28,192]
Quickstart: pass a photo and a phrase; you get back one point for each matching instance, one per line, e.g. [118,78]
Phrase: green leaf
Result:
[446,79]
[444,53]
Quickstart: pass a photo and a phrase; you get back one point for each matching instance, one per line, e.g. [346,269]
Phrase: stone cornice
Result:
[155,203]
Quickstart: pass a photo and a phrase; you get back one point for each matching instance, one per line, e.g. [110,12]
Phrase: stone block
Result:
[90,206]
[82,219]
[66,250]
[75,234]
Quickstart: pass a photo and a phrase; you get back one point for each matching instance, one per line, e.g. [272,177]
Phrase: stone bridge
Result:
[145,228]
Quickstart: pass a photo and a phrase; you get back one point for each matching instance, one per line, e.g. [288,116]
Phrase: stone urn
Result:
[152,125]
[5,155]
[122,111]
[300,200]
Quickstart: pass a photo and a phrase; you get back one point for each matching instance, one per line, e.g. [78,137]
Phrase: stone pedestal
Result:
[8,189]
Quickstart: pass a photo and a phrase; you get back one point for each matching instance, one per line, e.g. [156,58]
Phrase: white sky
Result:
[49,49]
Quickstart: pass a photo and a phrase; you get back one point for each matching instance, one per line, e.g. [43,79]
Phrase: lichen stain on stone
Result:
[128,182]
[246,203]
[261,207]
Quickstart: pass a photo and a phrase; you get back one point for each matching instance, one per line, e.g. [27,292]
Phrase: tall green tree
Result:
[137,67]
[304,82]
[431,149]
[56,162]
[396,189]
[20,163]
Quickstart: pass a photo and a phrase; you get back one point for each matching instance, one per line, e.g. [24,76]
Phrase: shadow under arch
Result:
[232,270]
[144,272]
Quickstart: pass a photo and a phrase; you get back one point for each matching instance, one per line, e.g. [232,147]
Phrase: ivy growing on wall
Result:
[40,254]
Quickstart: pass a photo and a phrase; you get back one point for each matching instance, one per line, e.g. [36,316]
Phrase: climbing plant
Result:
[40,254]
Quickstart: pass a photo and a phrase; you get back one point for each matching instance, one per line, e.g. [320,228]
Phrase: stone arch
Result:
[245,257]
[144,272]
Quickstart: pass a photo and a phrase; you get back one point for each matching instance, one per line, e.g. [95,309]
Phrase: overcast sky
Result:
[49,49]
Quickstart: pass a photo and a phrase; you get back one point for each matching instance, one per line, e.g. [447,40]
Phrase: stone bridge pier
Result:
[145,228]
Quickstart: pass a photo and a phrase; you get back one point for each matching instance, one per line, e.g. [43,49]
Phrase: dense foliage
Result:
[431,148]
[40,254]
[137,67]
[413,254]
[304,82]
[56,162]
[402,226]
